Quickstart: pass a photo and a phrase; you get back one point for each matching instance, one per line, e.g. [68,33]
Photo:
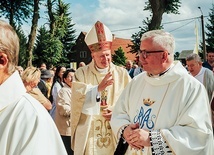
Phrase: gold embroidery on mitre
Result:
[101,46]
[148,102]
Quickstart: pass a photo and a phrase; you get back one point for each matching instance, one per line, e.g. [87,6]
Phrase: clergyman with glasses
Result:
[164,110]
[26,128]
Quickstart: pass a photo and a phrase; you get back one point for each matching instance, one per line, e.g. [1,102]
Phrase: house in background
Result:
[123,43]
[184,54]
[81,53]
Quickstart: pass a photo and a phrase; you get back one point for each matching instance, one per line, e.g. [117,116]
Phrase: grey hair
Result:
[193,56]
[9,44]
[162,39]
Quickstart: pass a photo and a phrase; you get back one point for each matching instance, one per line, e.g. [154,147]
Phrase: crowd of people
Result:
[155,106]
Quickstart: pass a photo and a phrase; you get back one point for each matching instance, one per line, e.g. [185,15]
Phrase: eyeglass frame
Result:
[144,52]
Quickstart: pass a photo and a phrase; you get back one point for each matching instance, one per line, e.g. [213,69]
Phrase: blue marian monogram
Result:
[145,118]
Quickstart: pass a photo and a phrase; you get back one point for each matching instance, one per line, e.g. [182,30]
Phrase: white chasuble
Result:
[174,105]
[92,134]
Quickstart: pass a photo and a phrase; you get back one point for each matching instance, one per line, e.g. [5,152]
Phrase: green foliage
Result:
[135,38]
[119,57]
[52,47]
[68,37]
[176,55]
[157,8]
[210,33]
[169,6]
[16,11]
[23,48]
[48,49]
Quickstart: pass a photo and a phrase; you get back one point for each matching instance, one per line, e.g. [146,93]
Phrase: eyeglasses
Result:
[145,53]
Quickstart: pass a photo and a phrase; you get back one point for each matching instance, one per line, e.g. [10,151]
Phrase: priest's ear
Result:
[3,60]
[164,56]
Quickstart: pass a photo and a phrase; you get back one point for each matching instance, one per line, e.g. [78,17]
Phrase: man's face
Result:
[151,62]
[210,57]
[194,67]
[102,59]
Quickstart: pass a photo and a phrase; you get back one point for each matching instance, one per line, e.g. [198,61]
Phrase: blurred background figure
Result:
[139,69]
[210,61]
[63,110]
[31,78]
[129,68]
[43,66]
[202,74]
[44,84]
[20,69]
[81,64]
[56,86]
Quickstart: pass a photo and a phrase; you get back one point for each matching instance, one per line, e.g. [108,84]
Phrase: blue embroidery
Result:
[144,118]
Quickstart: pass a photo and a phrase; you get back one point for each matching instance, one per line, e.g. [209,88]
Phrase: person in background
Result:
[30,78]
[139,69]
[43,66]
[95,89]
[56,86]
[63,110]
[81,64]
[25,126]
[164,110]
[20,69]
[42,85]
[129,68]
[210,60]
[49,82]
[202,74]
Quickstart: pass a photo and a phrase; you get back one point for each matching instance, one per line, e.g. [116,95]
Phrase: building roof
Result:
[123,43]
[185,53]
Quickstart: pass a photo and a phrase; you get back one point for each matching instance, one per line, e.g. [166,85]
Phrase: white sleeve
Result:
[91,105]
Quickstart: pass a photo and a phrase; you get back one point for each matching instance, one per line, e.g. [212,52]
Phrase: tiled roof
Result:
[123,43]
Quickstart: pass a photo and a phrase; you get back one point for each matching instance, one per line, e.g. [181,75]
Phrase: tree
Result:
[210,33]
[135,46]
[61,33]
[23,48]
[32,36]
[16,11]
[119,57]
[157,8]
[176,55]
[68,36]
[48,49]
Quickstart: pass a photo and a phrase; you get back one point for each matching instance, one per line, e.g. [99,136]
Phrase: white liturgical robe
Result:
[26,128]
[174,104]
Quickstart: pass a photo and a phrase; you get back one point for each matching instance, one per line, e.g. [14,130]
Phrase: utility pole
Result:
[203,34]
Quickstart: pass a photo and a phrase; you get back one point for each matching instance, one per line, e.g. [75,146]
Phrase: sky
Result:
[123,18]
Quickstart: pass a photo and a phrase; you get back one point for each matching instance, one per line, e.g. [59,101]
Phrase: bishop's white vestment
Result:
[90,132]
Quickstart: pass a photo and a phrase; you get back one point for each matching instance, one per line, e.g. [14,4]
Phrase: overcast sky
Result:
[123,17]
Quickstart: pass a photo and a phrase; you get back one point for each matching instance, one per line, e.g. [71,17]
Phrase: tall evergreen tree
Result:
[68,36]
[119,57]
[48,49]
[210,32]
